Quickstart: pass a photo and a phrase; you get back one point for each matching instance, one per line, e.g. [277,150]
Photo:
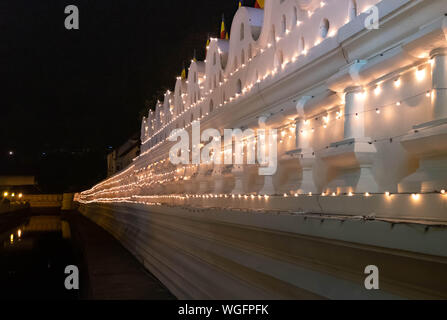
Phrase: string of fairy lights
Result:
[247,89]
[157,199]
[147,177]
[166,177]
[420,75]
[154,180]
[160,172]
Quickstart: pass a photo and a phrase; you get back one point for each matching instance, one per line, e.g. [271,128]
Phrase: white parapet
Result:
[356,110]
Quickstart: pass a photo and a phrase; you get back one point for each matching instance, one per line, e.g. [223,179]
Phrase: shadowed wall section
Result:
[203,254]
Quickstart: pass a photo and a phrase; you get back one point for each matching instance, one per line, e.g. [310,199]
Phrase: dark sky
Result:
[69,95]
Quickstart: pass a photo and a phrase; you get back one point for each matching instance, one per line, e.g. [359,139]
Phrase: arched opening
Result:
[243,57]
[284,24]
[242,32]
[324,28]
[211,106]
[295,16]
[239,86]
[352,9]
[250,51]
[302,46]
[279,59]
[273,34]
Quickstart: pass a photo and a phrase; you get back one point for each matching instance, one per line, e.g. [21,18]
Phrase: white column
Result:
[306,158]
[268,187]
[354,113]
[302,140]
[439,77]
[238,173]
[218,177]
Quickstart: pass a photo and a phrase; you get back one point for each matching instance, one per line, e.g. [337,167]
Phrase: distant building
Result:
[123,156]
[18,183]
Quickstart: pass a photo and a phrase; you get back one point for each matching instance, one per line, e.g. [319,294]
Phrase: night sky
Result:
[69,96]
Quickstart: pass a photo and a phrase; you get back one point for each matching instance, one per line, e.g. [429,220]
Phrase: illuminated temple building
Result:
[361,120]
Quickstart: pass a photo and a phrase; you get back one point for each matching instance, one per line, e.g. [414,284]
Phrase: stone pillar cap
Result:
[438,52]
[354,89]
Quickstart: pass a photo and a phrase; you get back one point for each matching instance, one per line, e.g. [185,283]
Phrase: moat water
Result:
[33,256]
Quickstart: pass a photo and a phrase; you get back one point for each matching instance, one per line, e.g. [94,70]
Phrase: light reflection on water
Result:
[33,257]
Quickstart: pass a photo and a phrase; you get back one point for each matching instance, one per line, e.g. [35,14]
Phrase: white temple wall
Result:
[329,75]
[362,152]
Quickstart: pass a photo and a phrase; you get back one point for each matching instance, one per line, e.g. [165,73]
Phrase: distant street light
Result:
[11,153]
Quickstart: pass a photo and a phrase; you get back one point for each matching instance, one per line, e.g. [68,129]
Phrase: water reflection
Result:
[33,257]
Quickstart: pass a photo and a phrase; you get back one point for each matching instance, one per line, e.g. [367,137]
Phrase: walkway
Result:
[109,269]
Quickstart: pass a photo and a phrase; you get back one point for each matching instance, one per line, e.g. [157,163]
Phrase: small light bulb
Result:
[420,74]
[377,90]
